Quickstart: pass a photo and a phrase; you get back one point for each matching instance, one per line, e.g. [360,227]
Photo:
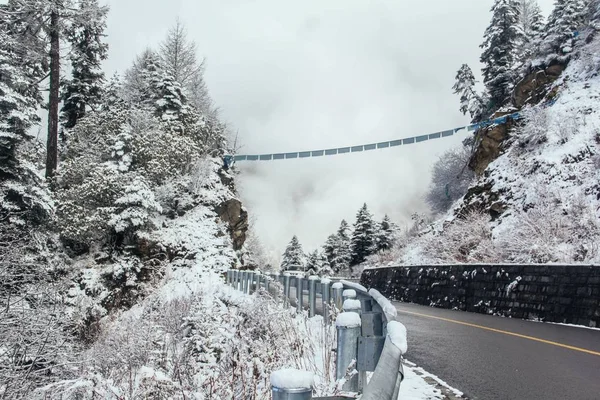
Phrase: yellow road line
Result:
[566,346]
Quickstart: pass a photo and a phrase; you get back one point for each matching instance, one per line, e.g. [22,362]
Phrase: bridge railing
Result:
[364,341]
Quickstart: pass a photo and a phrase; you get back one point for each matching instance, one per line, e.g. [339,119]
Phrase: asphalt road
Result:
[487,361]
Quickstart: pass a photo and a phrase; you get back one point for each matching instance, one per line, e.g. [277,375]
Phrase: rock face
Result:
[490,144]
[534,87]
[236,217]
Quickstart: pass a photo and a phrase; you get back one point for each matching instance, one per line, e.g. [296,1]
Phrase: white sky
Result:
[300,75]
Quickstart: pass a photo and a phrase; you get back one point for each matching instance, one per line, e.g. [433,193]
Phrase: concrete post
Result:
[267,284]
[236,280]
[348,332]
[299,293]
[325,299]
[312,295]
[286,287]
[337,289]
[284,382]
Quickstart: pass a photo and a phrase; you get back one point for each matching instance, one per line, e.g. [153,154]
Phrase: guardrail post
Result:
[312,295]
[267,283]
[247,282]
[348,332]
[299,294]
[325,299]
[291,384]
[286,287]
[238,277]
[337,289]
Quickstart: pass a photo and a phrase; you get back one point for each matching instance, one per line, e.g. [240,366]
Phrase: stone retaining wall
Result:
[551,293]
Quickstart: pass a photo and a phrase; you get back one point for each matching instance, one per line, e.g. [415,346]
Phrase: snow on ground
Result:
[421,385]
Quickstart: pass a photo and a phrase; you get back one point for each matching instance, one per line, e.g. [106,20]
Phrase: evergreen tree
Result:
[364,242]
[470,101]
[500,43]
[385,234]
[531,28]
[293,257]
[87,53]
[331,249]
[567,18]
[21,194]
[344,253]
[136,85]
[324,266]
[313,263]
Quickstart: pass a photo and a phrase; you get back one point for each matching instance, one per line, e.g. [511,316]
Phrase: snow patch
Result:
[351,293]
[351,304]
[348,320]
[292,379]
[397,334]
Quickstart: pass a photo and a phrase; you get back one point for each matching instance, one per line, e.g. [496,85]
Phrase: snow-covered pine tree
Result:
[136,85]
[363,242]
[531,28]
[500,42]
[344,253]
[470,101]
[567,18]
[86,35]
[22,198]
[313,266]
[324,266]
[330,251]
[293,257]
[385,234]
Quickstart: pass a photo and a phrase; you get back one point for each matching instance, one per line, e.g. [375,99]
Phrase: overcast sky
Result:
[301,75]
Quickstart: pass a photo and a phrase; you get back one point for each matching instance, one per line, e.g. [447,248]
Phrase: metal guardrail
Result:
[363,343]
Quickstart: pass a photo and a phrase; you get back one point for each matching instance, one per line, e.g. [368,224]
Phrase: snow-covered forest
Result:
[349,247]
[113,235]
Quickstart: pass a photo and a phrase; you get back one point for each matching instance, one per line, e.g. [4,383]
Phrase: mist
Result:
[292,76]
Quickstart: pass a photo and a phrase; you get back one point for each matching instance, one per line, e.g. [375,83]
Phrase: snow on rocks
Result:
[292,379]
[348,320]
[397,334]
[350,293]
[388,308]
[351,304]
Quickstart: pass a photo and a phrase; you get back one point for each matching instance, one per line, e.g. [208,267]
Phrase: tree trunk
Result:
[52,143]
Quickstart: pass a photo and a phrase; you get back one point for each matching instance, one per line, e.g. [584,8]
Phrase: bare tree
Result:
[180,57]
[450,179]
